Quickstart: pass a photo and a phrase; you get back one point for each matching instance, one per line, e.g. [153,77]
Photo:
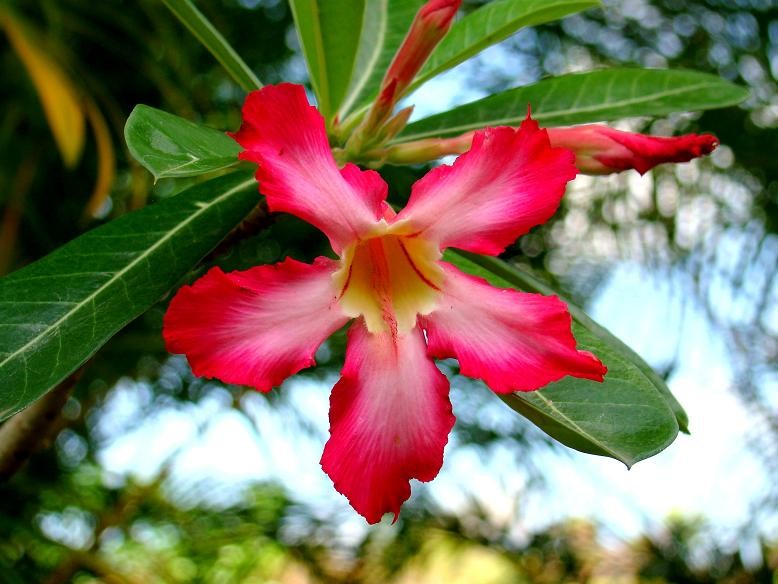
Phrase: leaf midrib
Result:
[541,116]
[117,276]
[351,96]
[573,426]
[489,40]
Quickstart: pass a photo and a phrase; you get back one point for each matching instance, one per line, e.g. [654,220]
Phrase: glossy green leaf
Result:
[55,313]
[490,24]
[329,33]
[629,417]
[212,40]
[523,280]
[169,146]
[579,98]
[383,32]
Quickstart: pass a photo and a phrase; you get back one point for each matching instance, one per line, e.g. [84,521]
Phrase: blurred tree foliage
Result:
[710,227]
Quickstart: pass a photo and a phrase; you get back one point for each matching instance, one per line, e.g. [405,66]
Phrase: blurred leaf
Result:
[212,40]
[489,25]
[106,160]
[169,146]
[329,32]
[629,417]
[595,96]
[56,312]
[382,35]
[58,95]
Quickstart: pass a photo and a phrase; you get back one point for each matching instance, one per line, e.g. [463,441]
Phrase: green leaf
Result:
[596,96]
[212,40]
[523,280]
[629,417]
[329,32]
[58,311]
[622,418]
[169,146]
[490,24]
[386,24]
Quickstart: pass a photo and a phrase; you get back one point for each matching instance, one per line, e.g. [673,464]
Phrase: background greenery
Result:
[64,518]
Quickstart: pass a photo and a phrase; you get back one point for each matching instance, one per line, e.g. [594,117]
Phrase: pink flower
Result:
[390,414]
[602,150]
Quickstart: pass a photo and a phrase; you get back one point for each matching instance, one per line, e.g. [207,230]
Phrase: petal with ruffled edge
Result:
[286,137]
[508,182]
[514,341]
[390,417]
[256,327]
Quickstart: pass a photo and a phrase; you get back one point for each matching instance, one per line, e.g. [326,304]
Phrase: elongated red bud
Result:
[602,150]
[430,25]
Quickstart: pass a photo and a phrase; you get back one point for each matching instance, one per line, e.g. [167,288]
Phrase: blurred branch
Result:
[31,430]
[125,508]
[101,568]
[65,571]
[106,160]
[254,223]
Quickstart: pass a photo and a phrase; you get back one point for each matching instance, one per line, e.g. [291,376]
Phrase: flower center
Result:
[389,280]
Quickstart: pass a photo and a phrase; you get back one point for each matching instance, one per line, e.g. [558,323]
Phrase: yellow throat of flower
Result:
[389,280]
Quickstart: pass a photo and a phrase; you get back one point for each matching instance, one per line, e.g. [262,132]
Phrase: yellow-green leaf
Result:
[59,96]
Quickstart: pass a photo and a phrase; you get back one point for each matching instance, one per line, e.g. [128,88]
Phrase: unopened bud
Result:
[602,150]
[428,28]
[395,125]
[428,149]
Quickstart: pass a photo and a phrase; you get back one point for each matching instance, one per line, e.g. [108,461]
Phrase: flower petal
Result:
[256,327]
[297,173]
[389,421]
[508,182]
[512,340]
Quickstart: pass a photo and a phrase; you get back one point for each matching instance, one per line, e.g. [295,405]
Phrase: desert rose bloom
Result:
[390,414]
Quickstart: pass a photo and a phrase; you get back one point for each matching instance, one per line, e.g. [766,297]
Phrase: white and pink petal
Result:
[514,341]
[256,327]
[286,137]
[508,182]
[390,417]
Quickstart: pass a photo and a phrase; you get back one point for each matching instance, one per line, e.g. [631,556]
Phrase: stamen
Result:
[382,282]
[389,280]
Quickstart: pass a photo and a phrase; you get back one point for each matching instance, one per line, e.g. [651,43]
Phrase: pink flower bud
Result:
[430,25]
[428,28]
[602,150]
[420,151]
